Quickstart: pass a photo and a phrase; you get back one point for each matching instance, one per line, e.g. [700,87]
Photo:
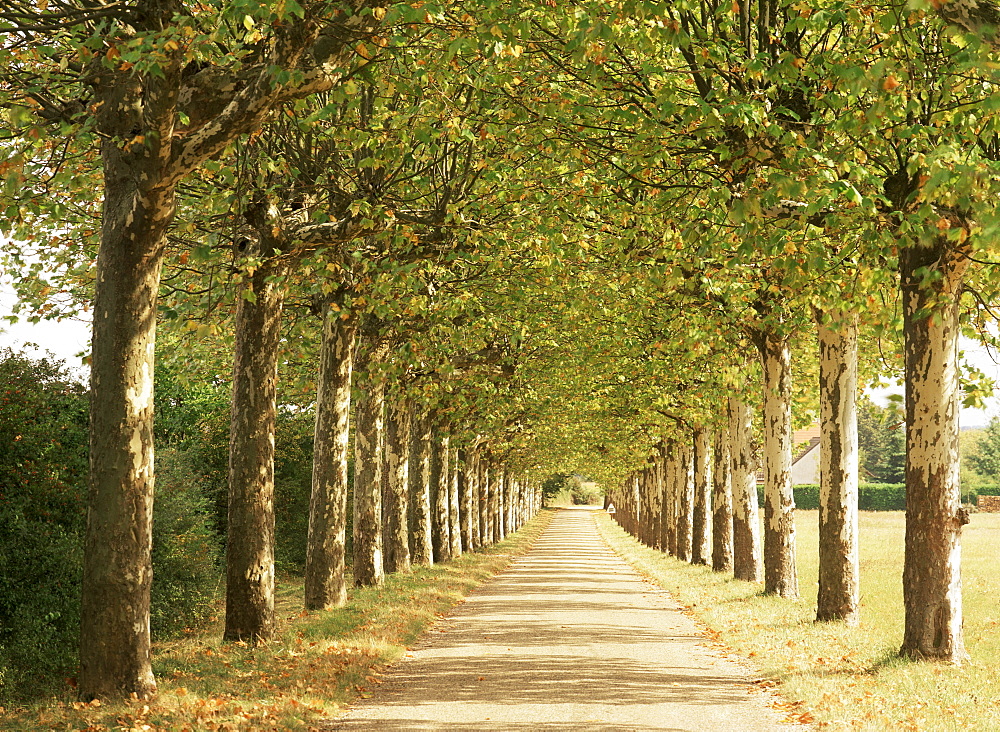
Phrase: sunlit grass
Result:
[318,661]
[852,678]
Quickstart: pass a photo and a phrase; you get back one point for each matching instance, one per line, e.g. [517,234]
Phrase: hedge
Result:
[871,496]
[879,496]
[969,492]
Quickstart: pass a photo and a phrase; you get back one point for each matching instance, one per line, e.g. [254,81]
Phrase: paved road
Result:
[568,638]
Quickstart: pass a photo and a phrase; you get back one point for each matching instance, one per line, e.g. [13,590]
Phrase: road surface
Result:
[570,637]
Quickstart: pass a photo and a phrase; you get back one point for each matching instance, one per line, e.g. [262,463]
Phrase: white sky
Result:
[65,339]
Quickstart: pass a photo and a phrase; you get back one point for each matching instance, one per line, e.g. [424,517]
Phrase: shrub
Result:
[292,486]
[40,569]
[186,576]
[553,485]
[43,475]
[882,497]
[43,472]
[871,496]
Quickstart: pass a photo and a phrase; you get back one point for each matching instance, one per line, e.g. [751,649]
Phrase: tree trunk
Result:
[668,521]
[454,507]
[524,497]
[722,502]
[932,579]
[476,491]
[466,490]
[325,583]
[838,510]
[701,539]
[395,497]
[514,490]
[486,490]
[685,495]
[645,502]
[117,565]
[369,568]
[511,504]
[421,534]
[780,576]
[439,498]
[250,528]
[496,501]
[658,490]
[746,518]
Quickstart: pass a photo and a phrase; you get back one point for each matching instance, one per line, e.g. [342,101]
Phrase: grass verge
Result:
[850,678]
[318,661]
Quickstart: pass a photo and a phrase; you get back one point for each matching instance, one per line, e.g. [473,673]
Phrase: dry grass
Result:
[318,662]
[851,678]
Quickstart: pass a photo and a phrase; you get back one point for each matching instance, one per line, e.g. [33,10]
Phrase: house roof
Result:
[806,434]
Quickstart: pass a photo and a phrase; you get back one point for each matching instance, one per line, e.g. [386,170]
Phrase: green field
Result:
[850,678]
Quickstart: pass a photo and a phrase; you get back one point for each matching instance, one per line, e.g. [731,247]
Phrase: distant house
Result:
[805,457]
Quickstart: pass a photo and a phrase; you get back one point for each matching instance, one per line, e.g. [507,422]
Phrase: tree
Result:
[839,580]
[325,585]
[881,443]
[985,458]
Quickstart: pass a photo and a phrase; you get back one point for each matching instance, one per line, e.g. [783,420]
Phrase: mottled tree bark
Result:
[439,498]
[659,489]
[326,545]
[641,479]
[503,515]
[454,504]
[722,502]
[932,579]
[421,534]
[668,521]
[701,539]
[780,577]
[250,527]
[466,495]
[746,518]
[369,418]
[473,473]
[486,490]
[496,501]
[685,498]
[117,568]
[515,503]
[838,511]
[396,481]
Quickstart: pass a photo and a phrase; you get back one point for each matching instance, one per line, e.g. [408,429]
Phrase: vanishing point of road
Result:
[569,637]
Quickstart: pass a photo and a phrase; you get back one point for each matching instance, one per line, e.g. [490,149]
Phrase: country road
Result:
[570,637]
